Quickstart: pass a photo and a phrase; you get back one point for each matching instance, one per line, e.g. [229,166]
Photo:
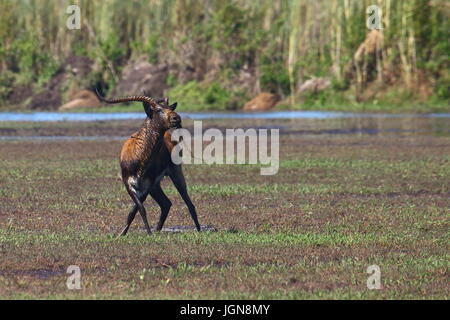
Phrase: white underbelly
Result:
[142,186]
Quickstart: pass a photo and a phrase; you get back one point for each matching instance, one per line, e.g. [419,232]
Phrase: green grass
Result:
[333,237]
[336,206]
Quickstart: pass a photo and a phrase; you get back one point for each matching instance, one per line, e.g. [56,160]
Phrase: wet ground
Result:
[324,123]
[105,116]
[350,193]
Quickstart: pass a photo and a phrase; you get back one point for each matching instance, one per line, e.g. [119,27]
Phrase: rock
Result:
[50,97]
[79,66]
[19,94]
[314,85]
[263,101]
[82,99]
[139,75]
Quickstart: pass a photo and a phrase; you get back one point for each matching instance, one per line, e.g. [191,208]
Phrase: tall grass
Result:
[285,41]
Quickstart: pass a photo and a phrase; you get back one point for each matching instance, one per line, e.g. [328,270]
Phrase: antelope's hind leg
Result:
[130,219]
[177,177]
[140,207]
[131,216]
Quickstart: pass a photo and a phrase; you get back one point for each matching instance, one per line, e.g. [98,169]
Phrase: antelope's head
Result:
[165,112]
[158,110]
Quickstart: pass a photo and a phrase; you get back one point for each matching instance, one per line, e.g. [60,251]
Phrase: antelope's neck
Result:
[148,138]
[151,130]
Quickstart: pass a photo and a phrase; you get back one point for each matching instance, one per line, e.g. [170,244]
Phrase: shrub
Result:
[275,78]
[114,49]
[6,84]
[197,96]
[33,64]
[442,89]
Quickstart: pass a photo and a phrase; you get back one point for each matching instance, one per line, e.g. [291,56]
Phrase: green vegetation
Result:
[200,97]
[234,49]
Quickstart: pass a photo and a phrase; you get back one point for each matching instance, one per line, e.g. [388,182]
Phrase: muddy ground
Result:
[339,204]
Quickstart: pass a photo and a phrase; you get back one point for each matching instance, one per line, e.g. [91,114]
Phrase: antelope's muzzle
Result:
[175,121]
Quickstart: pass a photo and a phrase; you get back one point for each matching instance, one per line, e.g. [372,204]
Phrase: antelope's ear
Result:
[173,106]
[148,109]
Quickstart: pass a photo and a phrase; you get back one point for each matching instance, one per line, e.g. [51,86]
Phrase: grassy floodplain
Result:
[339,204]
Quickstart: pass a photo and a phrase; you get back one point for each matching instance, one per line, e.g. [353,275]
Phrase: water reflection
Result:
[299,123]
[351,125]
[62,116]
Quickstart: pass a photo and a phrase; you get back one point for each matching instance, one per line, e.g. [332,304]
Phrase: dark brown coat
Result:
[145,159]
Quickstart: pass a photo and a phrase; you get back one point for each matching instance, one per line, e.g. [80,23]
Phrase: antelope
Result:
[145,160]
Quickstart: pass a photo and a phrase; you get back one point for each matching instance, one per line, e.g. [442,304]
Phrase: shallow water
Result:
[288,122]
[62,138]
[178,229]
[60,116]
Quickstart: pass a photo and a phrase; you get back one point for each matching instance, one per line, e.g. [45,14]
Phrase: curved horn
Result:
[146,99]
